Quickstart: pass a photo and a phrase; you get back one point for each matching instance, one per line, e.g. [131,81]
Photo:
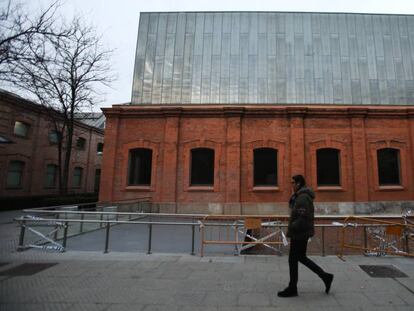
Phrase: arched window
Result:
[265,167]
[51,175]
[77,177]
[328,167]
[140,164]
[15,174]
[202,167]
[389,166]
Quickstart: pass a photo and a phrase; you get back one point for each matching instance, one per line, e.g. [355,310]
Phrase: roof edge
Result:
[289,12]
[37,108]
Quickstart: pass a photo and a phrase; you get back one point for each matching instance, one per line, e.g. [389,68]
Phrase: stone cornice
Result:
[319,111]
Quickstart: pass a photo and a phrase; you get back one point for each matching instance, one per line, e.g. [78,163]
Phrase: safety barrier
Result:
[379,237]
[104,220]
[239,233]
[243,232]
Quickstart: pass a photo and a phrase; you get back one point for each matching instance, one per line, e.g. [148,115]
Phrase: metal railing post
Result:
[108,226]
[81,224]
[236,245]
[323,241]
[21,236]
[55,236]
[149,238]
[407,248]
[365,238]
[202,240]
[100,224]
[192,239]
[65,234]
[343,242]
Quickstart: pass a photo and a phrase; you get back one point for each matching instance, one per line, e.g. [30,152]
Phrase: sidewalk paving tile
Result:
[116,281]
[254,299]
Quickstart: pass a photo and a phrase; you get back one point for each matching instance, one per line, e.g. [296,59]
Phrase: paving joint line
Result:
[403,285]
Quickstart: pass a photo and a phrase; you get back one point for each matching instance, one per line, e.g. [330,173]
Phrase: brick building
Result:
[227,106]
[28,153]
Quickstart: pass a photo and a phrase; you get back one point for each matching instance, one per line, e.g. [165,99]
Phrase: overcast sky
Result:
[118,21]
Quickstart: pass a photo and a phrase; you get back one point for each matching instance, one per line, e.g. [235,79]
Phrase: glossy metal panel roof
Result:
[274,58]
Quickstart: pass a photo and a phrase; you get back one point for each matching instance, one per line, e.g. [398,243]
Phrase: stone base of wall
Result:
[362,208]
[321,208]
[136,207]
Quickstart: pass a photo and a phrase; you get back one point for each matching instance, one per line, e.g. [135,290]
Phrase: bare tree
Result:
[17,27]
[62,72]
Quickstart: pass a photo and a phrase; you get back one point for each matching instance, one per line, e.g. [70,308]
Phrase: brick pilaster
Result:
[297,145]
[109,159]
[170,153]
[233,136]
[359,159]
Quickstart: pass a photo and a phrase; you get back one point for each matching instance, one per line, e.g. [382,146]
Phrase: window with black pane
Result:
[139,170]
[265,167]
[328,167]
[389,166]
[202,167]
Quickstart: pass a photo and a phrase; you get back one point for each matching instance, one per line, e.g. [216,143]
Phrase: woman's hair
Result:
[299,179]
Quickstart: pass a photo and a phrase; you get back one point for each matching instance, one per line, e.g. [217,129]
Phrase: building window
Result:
[21,129]
[99,148]
[328,167]
[51,175]
[77,177]
[54,137]
[140,164]
[81,143]
[15,174]
[389,166]
[265,167]
[202,167]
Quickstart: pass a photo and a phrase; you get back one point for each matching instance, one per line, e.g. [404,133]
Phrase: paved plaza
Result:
[91,280]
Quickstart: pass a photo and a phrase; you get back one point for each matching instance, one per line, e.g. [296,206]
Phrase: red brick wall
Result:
[37,152]
[233,132]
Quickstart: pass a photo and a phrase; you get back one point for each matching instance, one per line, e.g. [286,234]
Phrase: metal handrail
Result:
[113,213]
[98,204]
[66,205]
[24,221]
[21,219]
[196,221]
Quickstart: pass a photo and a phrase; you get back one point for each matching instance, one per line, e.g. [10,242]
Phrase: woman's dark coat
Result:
[301,221]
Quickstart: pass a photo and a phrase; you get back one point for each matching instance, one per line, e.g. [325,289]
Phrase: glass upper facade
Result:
[274,58]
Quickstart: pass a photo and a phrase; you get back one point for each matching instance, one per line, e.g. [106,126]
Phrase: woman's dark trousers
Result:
[297,253]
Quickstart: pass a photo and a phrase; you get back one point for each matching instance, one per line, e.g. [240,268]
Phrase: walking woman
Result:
[300,229]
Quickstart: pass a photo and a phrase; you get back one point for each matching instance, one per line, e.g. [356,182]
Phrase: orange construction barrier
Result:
[376,237]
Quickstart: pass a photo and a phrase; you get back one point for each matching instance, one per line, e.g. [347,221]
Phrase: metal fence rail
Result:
[223,229]
[104,220]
